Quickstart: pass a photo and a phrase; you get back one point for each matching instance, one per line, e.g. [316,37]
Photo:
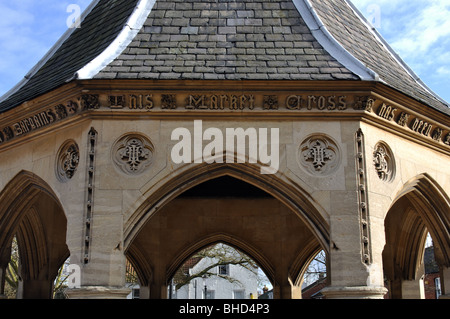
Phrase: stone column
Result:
[284,288]
[353,273]
[34,289]
[414,289]
[445,282]
[158,286]
[2,282]
[4,261]
[102,266]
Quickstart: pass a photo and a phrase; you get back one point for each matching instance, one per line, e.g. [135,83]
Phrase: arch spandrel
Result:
[188,176]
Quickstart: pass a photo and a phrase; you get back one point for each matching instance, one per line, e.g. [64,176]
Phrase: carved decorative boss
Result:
[384,162]
[319,155]
[133,154]
[67,161]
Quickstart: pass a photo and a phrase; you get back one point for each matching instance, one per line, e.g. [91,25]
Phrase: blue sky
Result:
[418,30]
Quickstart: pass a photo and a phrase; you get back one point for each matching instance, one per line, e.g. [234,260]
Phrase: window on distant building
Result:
[437,283]
[239,294]
[210,294]
[136,293]
[224,270]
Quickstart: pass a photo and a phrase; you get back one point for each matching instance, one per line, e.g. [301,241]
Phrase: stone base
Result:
[354,292]
[97,292]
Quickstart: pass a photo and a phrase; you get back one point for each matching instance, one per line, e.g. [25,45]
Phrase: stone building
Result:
[347,150]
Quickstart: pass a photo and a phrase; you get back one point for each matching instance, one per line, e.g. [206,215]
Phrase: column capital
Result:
[363,292]
[98,292]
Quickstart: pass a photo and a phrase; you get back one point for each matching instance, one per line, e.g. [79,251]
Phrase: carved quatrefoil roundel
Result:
[133,153]
[67,161]
[319,155]
[384,162]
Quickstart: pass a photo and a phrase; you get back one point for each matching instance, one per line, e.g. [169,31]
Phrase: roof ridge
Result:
[331,44]
[123,39]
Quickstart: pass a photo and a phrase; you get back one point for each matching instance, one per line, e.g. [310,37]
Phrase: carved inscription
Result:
[421,127]
[364,103]
[403,119]
[220,102]
[141,102]
[417,125]
[387,112]
[234,102]
[45,118]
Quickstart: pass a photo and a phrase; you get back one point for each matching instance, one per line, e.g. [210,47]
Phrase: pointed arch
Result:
[17,197]
[430,201]
[189,176]
[421,206]
[31,211]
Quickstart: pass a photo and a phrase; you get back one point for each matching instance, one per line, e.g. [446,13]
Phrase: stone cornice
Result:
[369,102]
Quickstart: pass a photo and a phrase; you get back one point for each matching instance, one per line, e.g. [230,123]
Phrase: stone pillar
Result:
[102,265]
[352,275]
[144,292]
[284,287]
[445,282]
[158,286]
[2,282]
[34,289]
[414,289]
[4,261]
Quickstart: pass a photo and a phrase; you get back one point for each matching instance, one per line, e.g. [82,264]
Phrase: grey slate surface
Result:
[220,39]
[243,40]
[98,29]
[348,29]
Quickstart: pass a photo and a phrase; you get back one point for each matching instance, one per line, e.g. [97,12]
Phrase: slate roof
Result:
[242,40]
[225,39]
[84,44]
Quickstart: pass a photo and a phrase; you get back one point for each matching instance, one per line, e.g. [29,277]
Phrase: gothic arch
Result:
[432,203]
[31,211]
[279,186]
[421,206]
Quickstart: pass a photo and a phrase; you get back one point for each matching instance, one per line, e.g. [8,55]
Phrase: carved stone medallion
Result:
[67,161]
[384,162]
[319,155]
[133,154]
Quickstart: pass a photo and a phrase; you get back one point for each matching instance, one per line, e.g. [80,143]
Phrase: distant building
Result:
[432,280]
[243,283]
